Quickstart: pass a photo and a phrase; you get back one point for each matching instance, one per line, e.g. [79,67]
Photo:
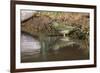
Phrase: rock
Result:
[26,14]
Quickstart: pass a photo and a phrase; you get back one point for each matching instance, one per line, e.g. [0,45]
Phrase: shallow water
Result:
[51,48]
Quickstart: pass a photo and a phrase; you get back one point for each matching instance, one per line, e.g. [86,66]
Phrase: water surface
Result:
[51,48]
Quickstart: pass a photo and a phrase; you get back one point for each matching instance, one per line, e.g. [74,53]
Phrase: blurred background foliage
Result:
[44,22]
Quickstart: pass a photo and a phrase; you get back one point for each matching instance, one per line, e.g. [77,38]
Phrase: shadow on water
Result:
[54,48]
